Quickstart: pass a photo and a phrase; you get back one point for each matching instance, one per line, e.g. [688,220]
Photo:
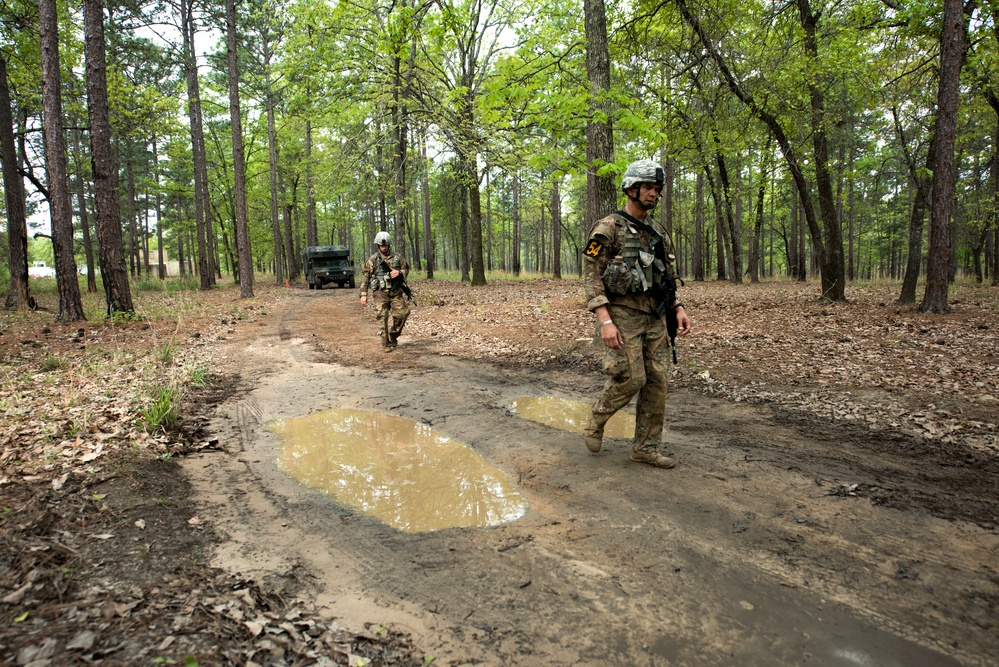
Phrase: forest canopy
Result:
[840,140]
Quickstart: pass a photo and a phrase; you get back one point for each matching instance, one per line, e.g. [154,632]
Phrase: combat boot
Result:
[593,439]
[653,459]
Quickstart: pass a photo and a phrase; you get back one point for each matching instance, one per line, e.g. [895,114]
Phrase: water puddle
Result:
[569,415]
[397,470]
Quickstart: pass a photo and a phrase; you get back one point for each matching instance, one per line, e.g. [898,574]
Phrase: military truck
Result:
[328,264]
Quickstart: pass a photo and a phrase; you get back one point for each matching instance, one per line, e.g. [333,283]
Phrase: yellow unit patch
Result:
[593,249]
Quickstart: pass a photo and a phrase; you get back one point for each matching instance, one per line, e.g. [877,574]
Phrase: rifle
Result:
[399,281]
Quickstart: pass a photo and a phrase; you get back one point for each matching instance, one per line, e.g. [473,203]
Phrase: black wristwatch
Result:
[679,305]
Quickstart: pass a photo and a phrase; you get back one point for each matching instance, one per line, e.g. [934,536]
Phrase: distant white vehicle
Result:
[40,270]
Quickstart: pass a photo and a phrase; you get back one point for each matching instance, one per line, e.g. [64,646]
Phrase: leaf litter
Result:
[103,554]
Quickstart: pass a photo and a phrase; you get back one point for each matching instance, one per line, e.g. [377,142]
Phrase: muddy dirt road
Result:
[777,540]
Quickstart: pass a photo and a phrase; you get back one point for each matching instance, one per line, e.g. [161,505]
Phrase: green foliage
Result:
[198,377]
[169,285]
[162,411]
[52,363]
[166,354]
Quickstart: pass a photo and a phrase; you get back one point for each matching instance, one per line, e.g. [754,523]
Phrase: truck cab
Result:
[328,264]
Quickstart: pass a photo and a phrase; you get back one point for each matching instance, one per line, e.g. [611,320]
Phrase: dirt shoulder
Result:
[834,497]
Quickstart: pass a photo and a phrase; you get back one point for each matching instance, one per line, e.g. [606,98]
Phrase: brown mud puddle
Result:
[753,551]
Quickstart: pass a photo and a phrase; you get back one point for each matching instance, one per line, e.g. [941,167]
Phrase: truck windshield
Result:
[330,262]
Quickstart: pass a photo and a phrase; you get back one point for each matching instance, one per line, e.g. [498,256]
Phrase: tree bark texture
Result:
[81,198]
[556,230]
[515,245]
[18,294]
[602,190]
[830,250]
[952,43]
[202,216]
[60,206]
[104,166]
[428,244]
[243,249]
[698,254]
[917,215]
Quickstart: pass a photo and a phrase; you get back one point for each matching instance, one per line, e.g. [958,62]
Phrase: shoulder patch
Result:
[593,248]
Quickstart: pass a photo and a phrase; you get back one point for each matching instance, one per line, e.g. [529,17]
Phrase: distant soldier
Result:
[630,286]
[385,275]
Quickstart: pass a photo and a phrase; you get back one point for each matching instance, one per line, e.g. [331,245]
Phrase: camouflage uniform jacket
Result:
[375,275]
[605,241]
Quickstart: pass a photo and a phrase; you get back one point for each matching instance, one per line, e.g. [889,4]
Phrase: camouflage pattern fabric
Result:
[391,306]
[396,306]
[637,368]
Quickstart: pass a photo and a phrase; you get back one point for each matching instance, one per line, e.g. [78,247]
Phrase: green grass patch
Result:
[198,377]
[162,412]
[52,363]
[166,354]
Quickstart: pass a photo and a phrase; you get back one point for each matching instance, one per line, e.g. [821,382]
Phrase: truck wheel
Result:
[312,286]
[351,283]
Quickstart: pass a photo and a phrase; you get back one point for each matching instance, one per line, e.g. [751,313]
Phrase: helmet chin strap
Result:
[638,202]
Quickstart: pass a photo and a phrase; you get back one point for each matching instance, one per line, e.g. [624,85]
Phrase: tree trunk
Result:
[243,249]
[133,242]
[104,167]
[474,203]
[428,244]
[289,248]
[464,242]
[917,214]
[272,158]
[754,246]
[515,245]
[698,254]
[311,233]
[81,198]
[832,273]
[202,219]
[952,43]
[60,207]
[556,230]
[995,205]
[18,294]
[732,226]
[602,189]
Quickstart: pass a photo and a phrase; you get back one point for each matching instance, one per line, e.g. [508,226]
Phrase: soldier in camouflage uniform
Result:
[379,271]
[624,258]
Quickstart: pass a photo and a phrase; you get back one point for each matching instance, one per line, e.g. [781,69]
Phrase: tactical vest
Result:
[380,277]
[641,268]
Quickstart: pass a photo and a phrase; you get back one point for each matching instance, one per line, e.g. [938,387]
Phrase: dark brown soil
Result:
[836,493]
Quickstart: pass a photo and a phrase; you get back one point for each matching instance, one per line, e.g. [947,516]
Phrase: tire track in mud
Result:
[724,560]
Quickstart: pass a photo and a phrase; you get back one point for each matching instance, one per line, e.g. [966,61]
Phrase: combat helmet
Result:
[642,171]
[382,238]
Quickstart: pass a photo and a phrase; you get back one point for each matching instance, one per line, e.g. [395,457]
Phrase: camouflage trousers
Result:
[391,306]
[637,368]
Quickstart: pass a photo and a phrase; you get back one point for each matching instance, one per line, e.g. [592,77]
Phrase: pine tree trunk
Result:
[515,245]
[602,190]
[18,294]
[202,214]
[60,207]
[952,43]
[698,254]
[243,250]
